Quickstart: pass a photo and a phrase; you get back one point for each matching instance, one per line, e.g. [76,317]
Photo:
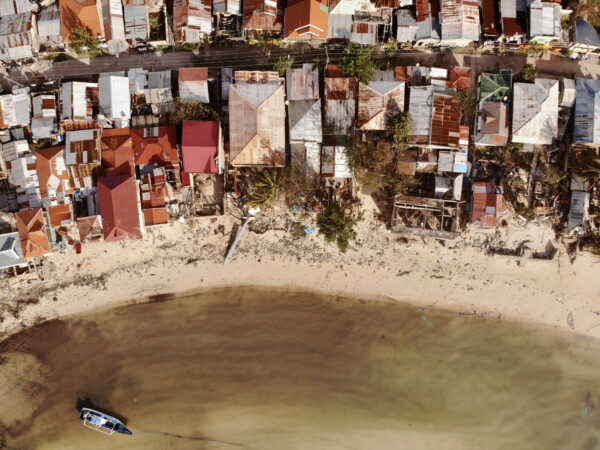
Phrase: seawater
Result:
[280,369]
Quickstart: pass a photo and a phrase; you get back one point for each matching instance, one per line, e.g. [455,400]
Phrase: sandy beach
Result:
[455,276]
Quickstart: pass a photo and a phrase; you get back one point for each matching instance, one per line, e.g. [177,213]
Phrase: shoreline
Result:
[186,258]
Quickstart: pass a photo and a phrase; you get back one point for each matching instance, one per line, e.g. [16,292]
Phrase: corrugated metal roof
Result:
[487,205]
[77,99]
[226,79]
[305,120]
[82,147]
[192,19]
[113,103]
[263,15]
[138,81]
[495,86]
[16,37]
[587,112]
[15,109]
[445,124]
[11,252]
[48,25]
[136,22]
[585,33]
[544,19]
[364,33]
[421,113]
[159,79]
[460,20]
[492,124]
[302,83]
[257,124]
[200,146]
[8,7]
[44,106]
[407,26]
[514,17]
[193,84]
[490,10]
[379,101]
[157,96]
[569,92]
[579,210]
[535,112]
[340,26]
[42,128]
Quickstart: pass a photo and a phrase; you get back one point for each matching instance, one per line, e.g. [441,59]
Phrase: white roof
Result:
[16,108]
[535,112]
[114,97]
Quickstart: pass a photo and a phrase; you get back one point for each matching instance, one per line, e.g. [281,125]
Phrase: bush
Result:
[528,73]
[371,166]
[282,64]
[191,111]
[336,227]
[81,39]
[400,127]
[359,63]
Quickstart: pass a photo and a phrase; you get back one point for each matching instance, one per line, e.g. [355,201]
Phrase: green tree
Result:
[528,73]
[591,170]
[282,64]
[400,127]
[371,165]
[81,38]
[336,226]
[267,184]
[193,110]
[358,62]
[467,102]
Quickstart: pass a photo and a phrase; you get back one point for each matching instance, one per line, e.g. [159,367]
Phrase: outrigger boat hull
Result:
[102,422]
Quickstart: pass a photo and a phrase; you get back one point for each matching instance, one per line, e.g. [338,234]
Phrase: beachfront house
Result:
[493,112]
[257,120]
[587,112]
[340,102]
[11,254]
[535,112]
[487,205]
[32,232]
[157,147]
[305,120]
[120,208]
[379,101]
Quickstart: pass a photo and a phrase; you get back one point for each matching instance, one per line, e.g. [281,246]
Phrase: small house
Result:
[48,24]
[119,208]
[262,16]
[202,147]
[78,100]
[22,175]
[117,152]
[15,109]
[379,101]
[32,232]
[460,22]
[493,115]
[306,20]
[73,13]
[535,112]
[157,147]
[11,253]
[304,104]
[114,99]
[545,20]
[587,112]
[513,16]
[340,102]
[192,20]
[257,120]
[18,37]
[487,205]
[584,37]
[193,84]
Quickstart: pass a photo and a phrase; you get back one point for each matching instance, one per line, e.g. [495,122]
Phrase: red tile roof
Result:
[89,226]
[118,200]
[484,198]
[48,163]
[79,14]
[200,146]
[32,231]
[156,145]
[117,152]
[59,214]
[155,216]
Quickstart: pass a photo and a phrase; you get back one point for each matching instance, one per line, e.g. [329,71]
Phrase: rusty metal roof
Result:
[302,83]
[445,124]
[490,10]
[460,20]
[263,15]
[378,102]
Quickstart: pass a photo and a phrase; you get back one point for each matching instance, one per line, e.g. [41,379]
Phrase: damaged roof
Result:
[379,101]
[193,84]
[257,124]
[535,112]
[460,20]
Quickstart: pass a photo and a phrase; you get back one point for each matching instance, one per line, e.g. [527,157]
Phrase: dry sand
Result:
[457,276]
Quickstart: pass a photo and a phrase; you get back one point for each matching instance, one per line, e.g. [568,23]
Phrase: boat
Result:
[102,422]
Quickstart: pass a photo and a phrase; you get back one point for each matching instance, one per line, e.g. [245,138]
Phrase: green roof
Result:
[495,86]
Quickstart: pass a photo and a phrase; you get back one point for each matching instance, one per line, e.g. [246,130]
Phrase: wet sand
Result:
[268,369]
